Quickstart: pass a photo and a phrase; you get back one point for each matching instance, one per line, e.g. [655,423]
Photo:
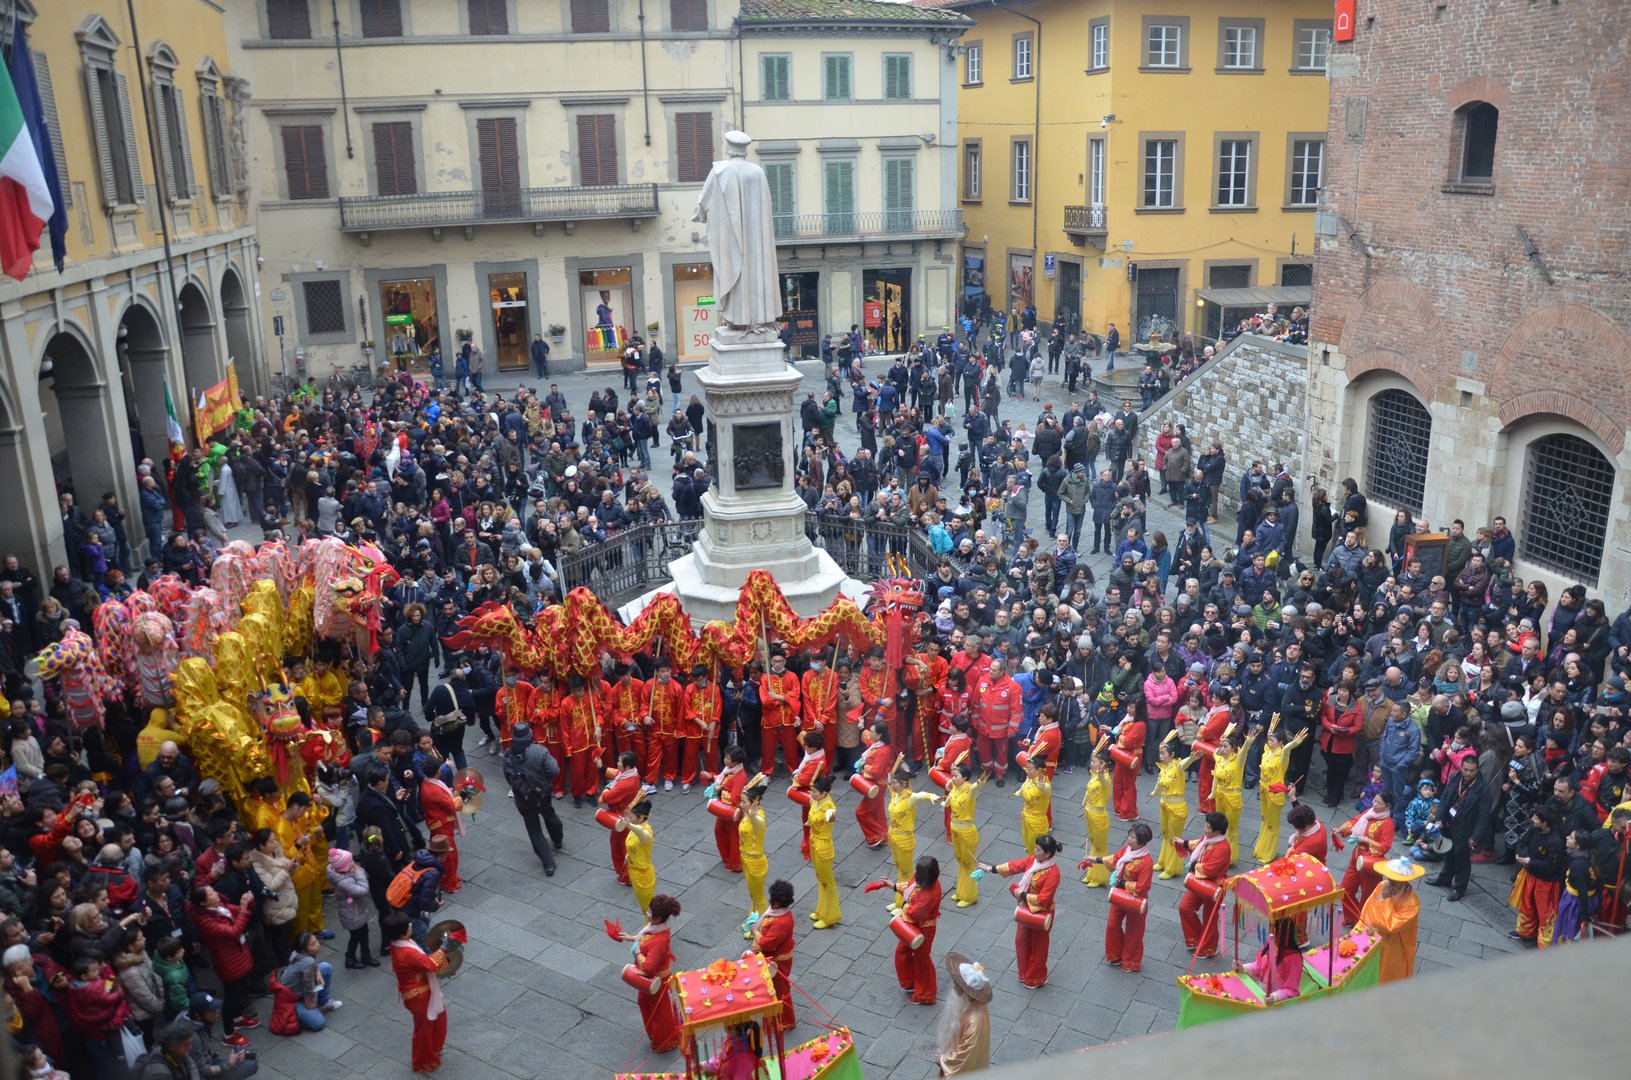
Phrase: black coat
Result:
[401,837]
[1472,808]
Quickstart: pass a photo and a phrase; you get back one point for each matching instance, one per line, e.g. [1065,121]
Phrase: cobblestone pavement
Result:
[541,994]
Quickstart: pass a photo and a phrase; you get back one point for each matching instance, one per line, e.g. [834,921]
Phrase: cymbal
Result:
[469,785]
[438,937]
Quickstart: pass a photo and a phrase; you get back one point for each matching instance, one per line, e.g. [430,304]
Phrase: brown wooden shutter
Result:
[688,14]
[591,17]
[381,18]
[305,165]
[288,19]
[500,166]
[394,170]
[693,146]
[489,17]
[597,150]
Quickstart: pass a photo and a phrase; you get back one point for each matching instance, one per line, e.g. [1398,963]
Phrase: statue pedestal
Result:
[753,518]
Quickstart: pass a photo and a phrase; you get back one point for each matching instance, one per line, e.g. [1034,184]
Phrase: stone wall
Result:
[1251,400]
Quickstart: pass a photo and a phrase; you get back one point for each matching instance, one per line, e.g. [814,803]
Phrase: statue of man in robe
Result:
[735,205]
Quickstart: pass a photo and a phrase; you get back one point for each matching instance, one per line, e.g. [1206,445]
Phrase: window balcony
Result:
[1086,223]
[437,210]
[870,225]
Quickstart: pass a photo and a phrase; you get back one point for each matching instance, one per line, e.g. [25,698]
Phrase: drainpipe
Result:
[339,63]
[158,177]
[645,87]
[1036,136]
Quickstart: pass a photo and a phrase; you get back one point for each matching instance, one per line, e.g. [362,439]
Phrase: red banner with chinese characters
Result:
[1343,30]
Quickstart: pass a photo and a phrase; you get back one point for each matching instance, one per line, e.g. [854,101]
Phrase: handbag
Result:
[134,1048]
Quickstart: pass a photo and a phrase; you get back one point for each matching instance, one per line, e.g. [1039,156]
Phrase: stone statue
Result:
[237,137]
[735,205]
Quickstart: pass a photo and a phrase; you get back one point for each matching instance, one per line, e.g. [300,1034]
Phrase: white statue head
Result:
[736,143]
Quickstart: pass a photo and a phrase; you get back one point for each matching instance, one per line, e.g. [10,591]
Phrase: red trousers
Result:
[1031,952]
[1194,912]
[787,1021]
[662,757]
[787,736]
[915,969]
[829,739]
[900,733]
[993,753]
[1124,939]
[873,818]
[729,843]
[428,1035]
[662,1022]
[1537,909]
[925,731]
[450,861]
[1203,787]
[581,767]
[1357,885]
[1124,791]
[693,753]
[620,855]
[804,825]
[557,750]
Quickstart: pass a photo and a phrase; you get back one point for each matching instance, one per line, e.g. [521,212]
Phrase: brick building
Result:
[1472,304]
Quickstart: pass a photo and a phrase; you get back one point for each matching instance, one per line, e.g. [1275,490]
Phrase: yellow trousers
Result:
[964,844]
[644,889]
[754,872]
[1230,809]
[1098,839]
[1267,848]
[1173,817]
[1029,829]
[310,916]
[827,909]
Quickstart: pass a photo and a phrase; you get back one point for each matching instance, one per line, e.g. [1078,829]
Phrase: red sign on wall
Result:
[1344,28]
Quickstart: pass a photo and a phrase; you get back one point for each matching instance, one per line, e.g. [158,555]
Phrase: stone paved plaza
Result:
[541,996]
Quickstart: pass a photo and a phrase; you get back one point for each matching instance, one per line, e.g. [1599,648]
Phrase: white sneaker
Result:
[648,789]
[333,1003]
[512,794]
[685,789]
[668,785]
[483,741]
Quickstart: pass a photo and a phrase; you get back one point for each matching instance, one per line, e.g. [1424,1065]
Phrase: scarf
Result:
[817,756]
[1196,851]
[436,1005]
[1128,856]
[1023,887]
[1362,823]
[458,818]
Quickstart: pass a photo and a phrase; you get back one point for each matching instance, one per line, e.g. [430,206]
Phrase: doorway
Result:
[801,299]
[887,308]
[412,323]
[511,323]
[1067,300]
[1157,310]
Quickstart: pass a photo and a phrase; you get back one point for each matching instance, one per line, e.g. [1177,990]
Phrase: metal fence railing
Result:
[474,206]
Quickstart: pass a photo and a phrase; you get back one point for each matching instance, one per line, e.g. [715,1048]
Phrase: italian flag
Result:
[25,198]
[172,427]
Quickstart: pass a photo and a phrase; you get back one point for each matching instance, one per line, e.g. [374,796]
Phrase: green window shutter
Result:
[138,194]
[779,174]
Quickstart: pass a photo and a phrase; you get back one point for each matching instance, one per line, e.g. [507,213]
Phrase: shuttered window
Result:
[305,161]
[488,17]
[174,145]
[693,146]
[688,14]
[591,17]
[381,18]
[500,166]
[779,174]
[838,196]
[216,144]
[53,126]
[288,19]
[898,194]
[115,131]
[897,76]
[597,150]
[835,80]
[776,77]
[395,171]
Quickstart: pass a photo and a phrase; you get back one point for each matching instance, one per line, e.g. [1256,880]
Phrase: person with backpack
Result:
[416,891]
[530,771]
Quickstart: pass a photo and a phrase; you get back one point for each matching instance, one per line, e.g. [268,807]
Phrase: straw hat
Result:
[1401,868]
[970,977]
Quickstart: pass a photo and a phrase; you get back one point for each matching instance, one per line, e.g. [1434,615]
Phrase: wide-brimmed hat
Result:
[970,978]
[1401,868]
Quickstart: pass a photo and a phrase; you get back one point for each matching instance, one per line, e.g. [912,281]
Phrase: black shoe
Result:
[354,965]
[1439,882]
[1001,782]
[370,961]
[1507,860]
[549,871]
[1456,894]
[556,844]
[577,803]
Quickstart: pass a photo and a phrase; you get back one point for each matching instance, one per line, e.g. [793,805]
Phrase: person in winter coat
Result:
[1401,747]
[1175,473]
[1160,705]
[415,648]
[1341,718]
[426,898]
[222,927]
[144,990]
[356,903]
[282,902]
[95,1004]
[1074,494]
[1103,500]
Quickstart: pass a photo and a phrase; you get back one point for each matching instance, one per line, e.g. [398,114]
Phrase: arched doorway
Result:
[240,342]
[200,359]
[141,370]
[85,425]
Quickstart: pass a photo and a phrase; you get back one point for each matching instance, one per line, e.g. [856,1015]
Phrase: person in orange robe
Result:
[875,764]
[773,938]
[1393,912]
[617,797]
[547,728]
[819,689]
[701,728]
[1217,721]
[625,706]
[441,809]
[728,787]
[1308,833]
[779,719]
[513,704]
[1208,860]
[1372,836]
[663,716]
[921,902]
[1038,882]
[1124,780]
[1131,868]
[580,736]
[925,676]
[813,766]
[960,743]
[879,690]
[421,991]
[654,959]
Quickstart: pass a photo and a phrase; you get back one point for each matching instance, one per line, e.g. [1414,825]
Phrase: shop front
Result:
[801,300]
[412,322]
[512,323]
[886,304]
[694,310]
[1021,282]
[605,299]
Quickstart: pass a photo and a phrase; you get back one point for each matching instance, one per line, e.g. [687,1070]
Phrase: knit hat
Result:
[340,859]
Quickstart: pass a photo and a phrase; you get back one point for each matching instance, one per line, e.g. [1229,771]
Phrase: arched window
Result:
[1478,123]
[1396,450]
[1568,488]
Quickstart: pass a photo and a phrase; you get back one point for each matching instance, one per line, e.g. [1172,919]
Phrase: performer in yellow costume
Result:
[639,840]
[750,833]
[965,838]
[903,803]
[822,854]
[1036,798]
[1227,766]
[1096,809]
[1169,789]
[1272,775]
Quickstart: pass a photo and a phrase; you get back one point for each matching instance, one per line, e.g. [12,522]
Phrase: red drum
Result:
[1036,920]
[646,984]
[799,795]
[1125,758]
[609,818]
[1206,890]
[1022,757]
[1126,901]
[941,776]
[723,810]
[1210,749]
[866,787]
[907,932]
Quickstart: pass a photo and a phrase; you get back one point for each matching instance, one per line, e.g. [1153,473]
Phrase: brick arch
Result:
[1397,317]
[1478,88]
[1384,360]
[1553,403]
[1598,355]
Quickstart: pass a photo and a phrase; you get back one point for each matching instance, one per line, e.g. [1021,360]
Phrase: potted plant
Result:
[557,332]
[464,333]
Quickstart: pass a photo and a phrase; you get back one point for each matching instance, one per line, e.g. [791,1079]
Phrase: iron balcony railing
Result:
[914,224]
[440,209]
[1085,219]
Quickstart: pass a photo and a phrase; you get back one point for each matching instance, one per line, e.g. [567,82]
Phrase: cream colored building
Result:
[86,354]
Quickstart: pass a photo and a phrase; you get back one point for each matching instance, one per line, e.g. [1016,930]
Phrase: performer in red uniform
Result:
[819,688]
[875,763]
[925,676]
[421,991]
[580,734]
[773,938]
[548,729]
[779,699]
[617,797]
[1309,836]
[441,809]
[915,967]
[1043,747]
[1217,722]
[701,729]
[879,689]
[728,786]
[1038,881]
[1372,836]
[663,716]
[1124,780]
[1131,868]
[1207,859]
[625,706]
[654,959]
[814,765]
[513,704]
[995,701]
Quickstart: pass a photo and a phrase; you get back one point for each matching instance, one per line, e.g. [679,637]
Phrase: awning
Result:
[1286,296]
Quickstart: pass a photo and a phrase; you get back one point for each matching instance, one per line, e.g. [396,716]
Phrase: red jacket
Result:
[97,1007]
[222,930]
[1338,729]
[996,705]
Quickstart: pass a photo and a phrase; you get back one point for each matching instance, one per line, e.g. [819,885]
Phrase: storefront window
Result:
[801,299]
[508,293]
[604,297]
[887,309]
[412,323]
[694,308]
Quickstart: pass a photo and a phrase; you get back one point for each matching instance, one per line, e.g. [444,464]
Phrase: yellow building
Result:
[158,285]
[1118,157]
